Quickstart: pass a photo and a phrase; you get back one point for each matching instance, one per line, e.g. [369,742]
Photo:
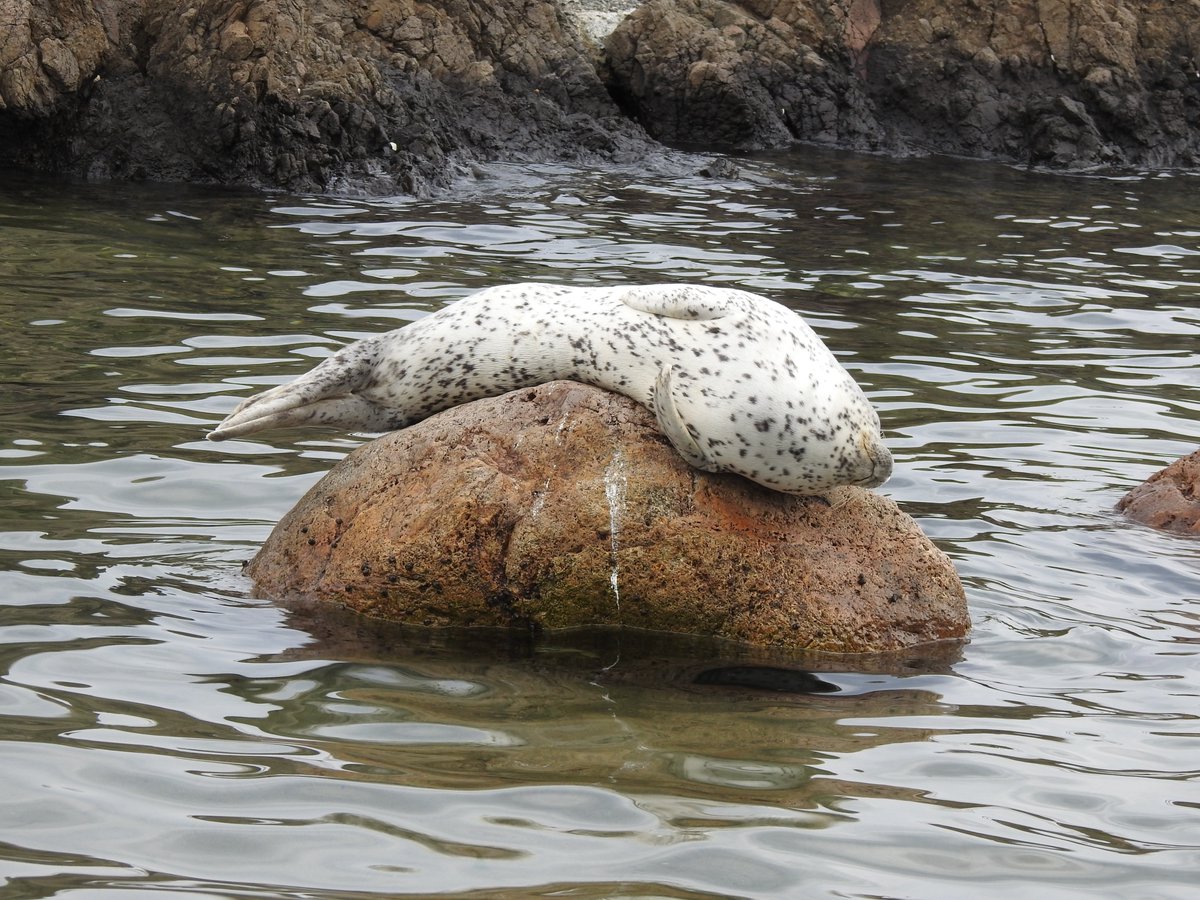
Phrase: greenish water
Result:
[1030,341]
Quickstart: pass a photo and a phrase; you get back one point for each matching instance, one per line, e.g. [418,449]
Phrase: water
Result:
[1030,340]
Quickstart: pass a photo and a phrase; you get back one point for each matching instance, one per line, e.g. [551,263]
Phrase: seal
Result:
[737,382]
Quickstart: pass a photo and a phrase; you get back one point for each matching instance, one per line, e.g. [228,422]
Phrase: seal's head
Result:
[876,463]
[843,444]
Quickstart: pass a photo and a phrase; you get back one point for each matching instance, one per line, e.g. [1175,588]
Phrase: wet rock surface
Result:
[1047,82]
[562,506]
[1169,499]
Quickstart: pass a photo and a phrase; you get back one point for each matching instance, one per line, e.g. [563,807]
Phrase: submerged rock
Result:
[1169,499]
[562,506]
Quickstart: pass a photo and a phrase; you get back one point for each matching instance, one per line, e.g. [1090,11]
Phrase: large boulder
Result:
[379,96]
[1169,499]
[1048,82]
[562,506]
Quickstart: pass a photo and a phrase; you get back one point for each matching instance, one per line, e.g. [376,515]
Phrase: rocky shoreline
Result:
[1076,85]
[391,96]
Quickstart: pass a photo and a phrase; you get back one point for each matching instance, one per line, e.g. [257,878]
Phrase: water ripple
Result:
[1029,341]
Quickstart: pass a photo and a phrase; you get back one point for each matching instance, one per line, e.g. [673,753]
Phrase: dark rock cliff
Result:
[1062,83]
[387,96]
[381,96]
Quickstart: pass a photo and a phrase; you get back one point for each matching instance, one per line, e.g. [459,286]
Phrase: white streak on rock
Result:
[615,481]
[598,18]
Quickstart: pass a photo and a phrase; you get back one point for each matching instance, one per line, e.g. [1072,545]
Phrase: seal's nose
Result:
[881,459]
[883,466]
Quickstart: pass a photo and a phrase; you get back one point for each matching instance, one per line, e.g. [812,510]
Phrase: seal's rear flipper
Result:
[680,301]
[322,396]
[349,413]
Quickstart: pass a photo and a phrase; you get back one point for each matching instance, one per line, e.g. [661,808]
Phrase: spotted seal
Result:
[737,382]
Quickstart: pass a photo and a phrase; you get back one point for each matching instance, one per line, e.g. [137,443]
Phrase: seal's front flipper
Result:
[684,438]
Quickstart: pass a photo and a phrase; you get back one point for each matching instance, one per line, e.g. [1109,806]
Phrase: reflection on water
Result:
[1030,341]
